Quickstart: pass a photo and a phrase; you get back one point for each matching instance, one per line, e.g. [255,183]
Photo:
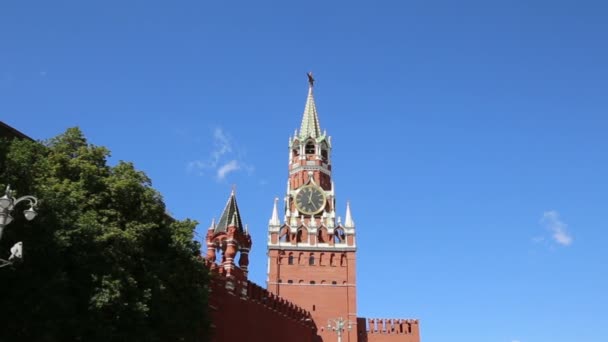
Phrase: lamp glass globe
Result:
[30,214]
[5,202]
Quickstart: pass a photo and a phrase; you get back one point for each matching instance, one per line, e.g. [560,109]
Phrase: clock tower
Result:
[311,251]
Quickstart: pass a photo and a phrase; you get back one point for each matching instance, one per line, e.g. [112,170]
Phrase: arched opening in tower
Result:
[339,235]
[310,148]
[284,235]
[324,152]
[322,236]
[302,236]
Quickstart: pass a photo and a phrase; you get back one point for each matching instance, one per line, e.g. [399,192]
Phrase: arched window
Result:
[322,236]
[301,259]
[310,148]
[339,236]
[218,254]
[295,152]
[324,152]
[322,259]
[334,282]
[312,282]
[343,260]
[302,235]
[332,261]
[290,281]
[311,259]
[284,235]
[290,259]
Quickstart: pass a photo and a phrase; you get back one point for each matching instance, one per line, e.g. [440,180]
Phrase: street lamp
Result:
[8,203]
[338,326]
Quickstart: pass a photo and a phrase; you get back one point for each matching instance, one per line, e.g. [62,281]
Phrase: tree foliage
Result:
[102,260]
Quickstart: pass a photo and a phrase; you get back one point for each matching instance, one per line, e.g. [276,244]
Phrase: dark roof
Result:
[230,217]
[7,131]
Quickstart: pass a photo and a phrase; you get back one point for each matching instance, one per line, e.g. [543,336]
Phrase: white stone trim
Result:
[287,246]
[309,284]
[309,168]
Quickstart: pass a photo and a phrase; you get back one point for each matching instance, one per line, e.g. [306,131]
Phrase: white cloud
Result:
[557,227]
[222,145]
[223,159]
[225,169]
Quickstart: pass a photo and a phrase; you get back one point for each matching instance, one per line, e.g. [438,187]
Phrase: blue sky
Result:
[469,136]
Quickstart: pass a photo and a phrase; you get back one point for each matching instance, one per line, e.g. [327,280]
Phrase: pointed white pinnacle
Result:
[274,219]
[348,221]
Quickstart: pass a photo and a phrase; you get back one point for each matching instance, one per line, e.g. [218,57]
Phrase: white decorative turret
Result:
[293,220]
[274,219]
[329,221]
[348,221]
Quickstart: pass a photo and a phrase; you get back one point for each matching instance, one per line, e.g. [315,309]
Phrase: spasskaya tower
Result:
[311,251]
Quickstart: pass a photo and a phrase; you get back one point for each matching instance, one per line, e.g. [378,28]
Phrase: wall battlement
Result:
[243,311]
[391,326]
[246,290]
[388,330]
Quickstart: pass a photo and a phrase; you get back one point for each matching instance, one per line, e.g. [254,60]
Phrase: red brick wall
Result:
[323,299]
[243,311]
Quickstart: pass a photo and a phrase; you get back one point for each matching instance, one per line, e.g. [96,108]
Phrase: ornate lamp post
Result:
[7,204]
[338,326]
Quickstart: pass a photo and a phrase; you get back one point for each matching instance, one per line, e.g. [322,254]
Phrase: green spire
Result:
[310,120]
[230,216]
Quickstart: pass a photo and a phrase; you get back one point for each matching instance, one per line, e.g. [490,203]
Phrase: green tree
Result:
[103,261]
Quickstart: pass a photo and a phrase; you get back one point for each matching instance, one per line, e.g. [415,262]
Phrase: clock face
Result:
[310,199]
